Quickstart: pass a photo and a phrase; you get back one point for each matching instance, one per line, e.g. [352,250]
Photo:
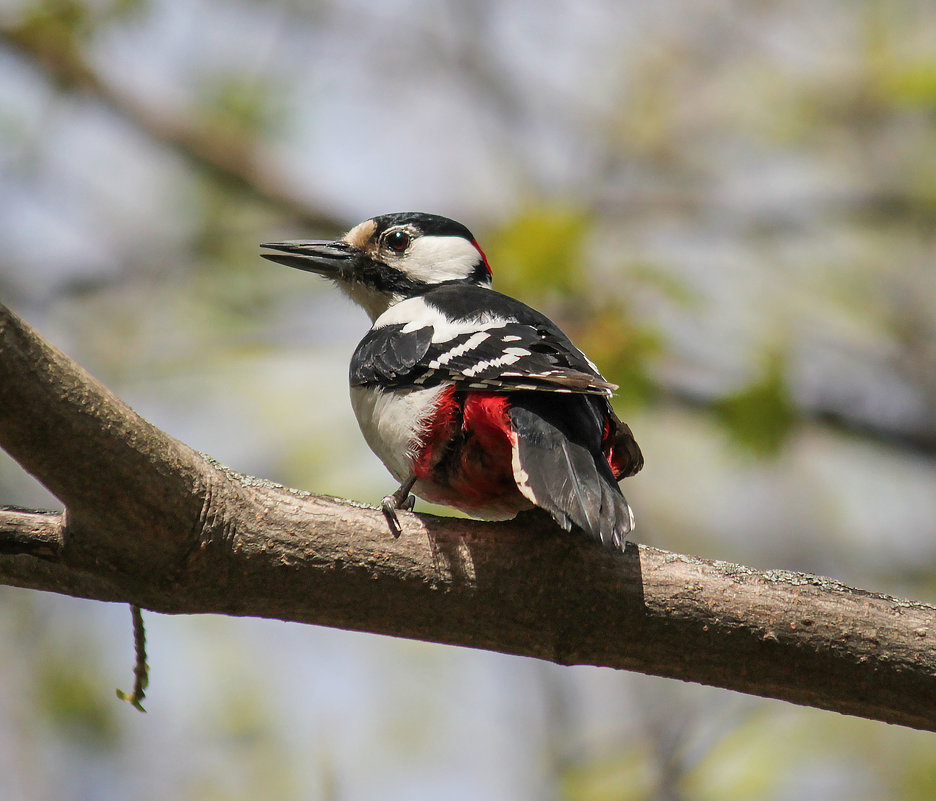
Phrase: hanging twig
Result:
[140,668]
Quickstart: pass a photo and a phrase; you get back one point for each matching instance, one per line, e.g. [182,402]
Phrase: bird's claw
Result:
[389,506]
[401,499]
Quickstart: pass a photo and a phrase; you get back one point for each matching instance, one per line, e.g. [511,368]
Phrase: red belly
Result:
[465,456]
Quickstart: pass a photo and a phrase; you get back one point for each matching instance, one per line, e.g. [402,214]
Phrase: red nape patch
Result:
[468,466]
[483,257]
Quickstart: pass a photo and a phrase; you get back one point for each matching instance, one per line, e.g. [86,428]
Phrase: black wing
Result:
[514,356]
[390,356]
[509,348]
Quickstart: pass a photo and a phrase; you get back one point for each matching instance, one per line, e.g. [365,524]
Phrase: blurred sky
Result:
[749,190]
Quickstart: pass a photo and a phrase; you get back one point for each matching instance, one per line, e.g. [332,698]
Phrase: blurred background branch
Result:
[236,157]
[52,44]
[729,205]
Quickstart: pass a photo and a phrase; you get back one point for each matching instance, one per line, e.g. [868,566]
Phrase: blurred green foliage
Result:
[240,103]
[623,349]
[805,129]
[539,252]
[760,416]
[65,24]
[70,16]
[915,770]
[611,777]
[540,257]
[71,695]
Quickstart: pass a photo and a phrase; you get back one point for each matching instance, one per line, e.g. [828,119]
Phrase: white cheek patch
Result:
[434,259]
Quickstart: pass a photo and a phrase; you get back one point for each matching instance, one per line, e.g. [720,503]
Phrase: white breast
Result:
[393,423]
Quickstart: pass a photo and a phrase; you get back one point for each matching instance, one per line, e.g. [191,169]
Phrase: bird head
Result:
[389,258]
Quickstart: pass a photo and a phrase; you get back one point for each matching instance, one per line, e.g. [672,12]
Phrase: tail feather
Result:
[559,465]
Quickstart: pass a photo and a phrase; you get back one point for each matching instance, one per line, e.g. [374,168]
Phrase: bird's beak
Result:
[331,259]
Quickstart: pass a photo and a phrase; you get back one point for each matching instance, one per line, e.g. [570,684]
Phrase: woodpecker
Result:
[469,397]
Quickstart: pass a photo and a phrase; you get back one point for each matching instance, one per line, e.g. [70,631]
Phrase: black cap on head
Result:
[428,224]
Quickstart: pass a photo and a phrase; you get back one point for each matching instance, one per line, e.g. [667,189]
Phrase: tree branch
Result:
[152,522]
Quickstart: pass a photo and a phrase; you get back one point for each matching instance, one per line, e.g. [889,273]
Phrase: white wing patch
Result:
[459,350]
[511,356]
[520,475]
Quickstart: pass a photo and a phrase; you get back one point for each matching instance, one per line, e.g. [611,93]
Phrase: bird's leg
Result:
[401,499]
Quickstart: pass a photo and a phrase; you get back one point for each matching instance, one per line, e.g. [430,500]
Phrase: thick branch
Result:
[152,522]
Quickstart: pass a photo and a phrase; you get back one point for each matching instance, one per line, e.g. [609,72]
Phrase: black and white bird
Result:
[469,397]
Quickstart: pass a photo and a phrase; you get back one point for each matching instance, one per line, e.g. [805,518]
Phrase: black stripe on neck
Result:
[388,280]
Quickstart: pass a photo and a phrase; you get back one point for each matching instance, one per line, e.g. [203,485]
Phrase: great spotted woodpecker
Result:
[470,397]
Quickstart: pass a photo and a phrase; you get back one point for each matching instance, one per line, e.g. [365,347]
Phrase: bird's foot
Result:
[401,499]
[388,507]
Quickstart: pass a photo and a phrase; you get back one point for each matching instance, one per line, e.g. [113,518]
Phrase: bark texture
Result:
[152,522]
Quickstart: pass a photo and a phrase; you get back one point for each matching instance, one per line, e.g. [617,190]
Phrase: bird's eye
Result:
[398,241]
